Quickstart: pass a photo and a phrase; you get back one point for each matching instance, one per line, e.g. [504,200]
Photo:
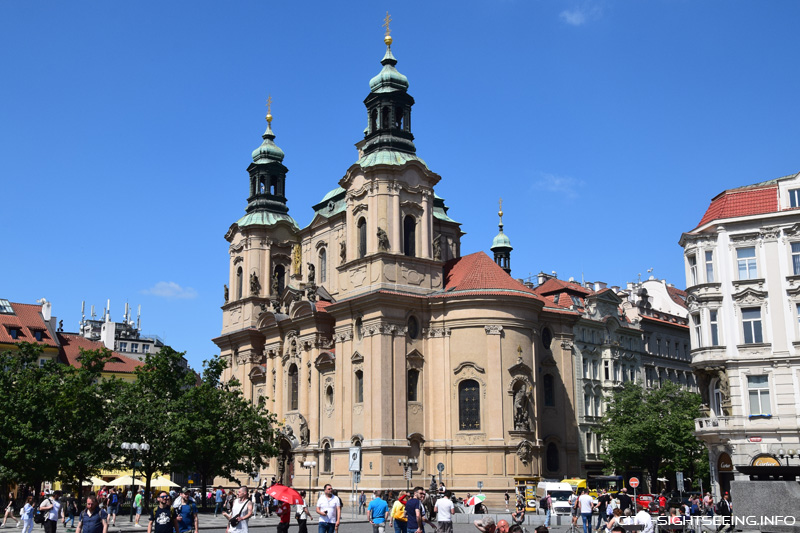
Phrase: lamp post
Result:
[408,464]
[134,448]
[788,454]
[310,465]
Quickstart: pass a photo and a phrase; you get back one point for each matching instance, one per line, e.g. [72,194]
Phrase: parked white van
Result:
[559,493]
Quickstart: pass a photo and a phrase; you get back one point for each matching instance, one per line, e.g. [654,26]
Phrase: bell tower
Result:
[389,106]
[267,174]
[501,245]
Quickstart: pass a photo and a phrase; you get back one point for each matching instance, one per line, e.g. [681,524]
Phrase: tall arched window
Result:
[469,405]
[716,398]
[362,237]
[281,272]
[552,458]
[326,457]
[409,235]
[358,387]
[373,121]
[293,386]
[549,391]
[323,266]
[398,118]
[239,284]
[413,380]
[385,117]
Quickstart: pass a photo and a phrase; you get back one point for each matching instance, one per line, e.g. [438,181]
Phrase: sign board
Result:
[407,475]
[766,460]
[356,477]
[480,485]
[724,463]
[633,482]
[191,482]
[440,467]
[754,439]
[679,480]
[355,459]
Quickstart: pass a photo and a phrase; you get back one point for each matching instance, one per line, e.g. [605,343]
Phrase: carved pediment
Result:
[414,359]
[258,374]
[358,208]
[750,296]
[321,244]
[520,368]
[325,360]
[466,365]
[357,358]
[231,232]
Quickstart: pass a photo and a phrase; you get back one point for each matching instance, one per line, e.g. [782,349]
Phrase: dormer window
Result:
[14,332]
[794,197]
[38,335]
[5,307]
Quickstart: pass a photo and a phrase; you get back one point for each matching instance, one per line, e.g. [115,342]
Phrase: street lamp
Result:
[310,465]
[408,464]
[134,448]
[788,454]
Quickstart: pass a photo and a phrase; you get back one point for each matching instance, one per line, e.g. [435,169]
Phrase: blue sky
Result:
[126,129]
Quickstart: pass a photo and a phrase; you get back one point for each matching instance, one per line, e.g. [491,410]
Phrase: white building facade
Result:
[743,277]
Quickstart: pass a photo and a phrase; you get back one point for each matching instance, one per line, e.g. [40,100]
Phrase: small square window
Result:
[145,348]
[123,346]
[134,347]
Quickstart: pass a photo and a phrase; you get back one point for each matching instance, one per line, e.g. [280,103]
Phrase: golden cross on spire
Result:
[386,20]
[269,109]
[500,212]
[387,38]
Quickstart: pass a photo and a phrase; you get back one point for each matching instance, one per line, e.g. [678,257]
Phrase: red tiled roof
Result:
[478,274]
[321,305]
[554,285]
[678,296]
[744,201]
[71,344]
[27,318]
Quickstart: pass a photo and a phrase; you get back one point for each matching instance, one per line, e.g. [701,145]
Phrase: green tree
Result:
[219,432]
[29,396]
[148,409]
[84,416]
[650,429]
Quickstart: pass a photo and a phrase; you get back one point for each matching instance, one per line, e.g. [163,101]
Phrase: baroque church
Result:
[369,330]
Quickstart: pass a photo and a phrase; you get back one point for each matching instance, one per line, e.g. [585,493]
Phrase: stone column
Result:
[314,408]
[372,219]
[268,387]
[381,378]
[400,391]
[494,381]
[302,380]
[279,377]
[427,216]
[350,230]
[396,219]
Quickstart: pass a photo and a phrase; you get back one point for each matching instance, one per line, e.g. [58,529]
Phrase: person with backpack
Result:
[546,505]
[113,505]
[163,518]
[93,519]
[187,514]
[52,507]
[397,517]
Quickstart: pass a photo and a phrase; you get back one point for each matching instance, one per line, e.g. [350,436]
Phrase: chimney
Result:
[599,286]
[47,309]
[107,331]
[615,288]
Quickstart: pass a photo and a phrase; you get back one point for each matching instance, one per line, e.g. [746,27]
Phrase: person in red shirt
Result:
[284,511]
[662,502]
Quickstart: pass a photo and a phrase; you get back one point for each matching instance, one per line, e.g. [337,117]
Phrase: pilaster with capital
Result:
[396,227]
[427,215]
[279,376]
[399,399]
[494,378]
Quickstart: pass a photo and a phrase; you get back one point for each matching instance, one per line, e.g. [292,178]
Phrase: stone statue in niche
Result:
[275,284]
[226,293]
[383,240]
[343,251]
[305,433]
[255,285]
[311,273]
[297,260]
[522,420]
[437,247]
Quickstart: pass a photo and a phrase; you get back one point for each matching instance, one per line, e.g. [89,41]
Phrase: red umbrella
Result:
[285,494]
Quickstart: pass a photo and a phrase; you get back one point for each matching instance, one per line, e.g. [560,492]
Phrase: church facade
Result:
[368,329]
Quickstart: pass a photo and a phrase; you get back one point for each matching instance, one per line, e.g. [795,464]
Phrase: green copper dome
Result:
[501,240]
[388,79]
[268,151]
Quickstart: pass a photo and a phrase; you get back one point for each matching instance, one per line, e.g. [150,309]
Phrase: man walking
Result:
[362,503]
[53,507]
[546,503]
[218,500]
[113,506]
[444,513]
[92,519]
[137,503]
[163,519]
[643,518]
[625,501]
[586,505]
[415,512]
[187,514]
[602,504]
[378,513]
[725,511]
[329,510]
[241,510]
[284,512]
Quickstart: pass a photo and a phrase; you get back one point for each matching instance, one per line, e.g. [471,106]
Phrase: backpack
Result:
[40,516]
[543,503]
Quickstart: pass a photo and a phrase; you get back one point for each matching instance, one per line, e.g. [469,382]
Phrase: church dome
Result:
[501,240]
[388,79]
[268,151]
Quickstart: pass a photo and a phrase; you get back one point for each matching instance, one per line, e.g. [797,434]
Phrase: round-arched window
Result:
[547,338]
[552,458]
[413,327]
[329,395]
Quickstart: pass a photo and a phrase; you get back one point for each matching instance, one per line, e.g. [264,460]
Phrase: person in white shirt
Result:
[328,507]
[643,518]
[242,510]
[444,513]
[53,506]
[586,504]
[301,512]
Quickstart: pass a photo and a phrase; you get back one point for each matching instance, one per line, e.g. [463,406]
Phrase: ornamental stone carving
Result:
[525,452]
[493,329]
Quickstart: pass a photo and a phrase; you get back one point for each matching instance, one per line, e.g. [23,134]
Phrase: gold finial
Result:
[387,38]
[500,213]
[269,109]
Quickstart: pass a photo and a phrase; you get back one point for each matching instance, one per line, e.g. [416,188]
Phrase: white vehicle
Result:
[559,493]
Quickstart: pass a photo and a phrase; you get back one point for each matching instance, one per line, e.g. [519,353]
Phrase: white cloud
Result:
[171,291]
[578,16]
[563,185]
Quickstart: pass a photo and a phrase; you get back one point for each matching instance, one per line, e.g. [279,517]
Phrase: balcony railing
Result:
[711,424]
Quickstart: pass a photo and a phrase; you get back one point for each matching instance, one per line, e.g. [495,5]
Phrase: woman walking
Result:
[27,515]
[10,511]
